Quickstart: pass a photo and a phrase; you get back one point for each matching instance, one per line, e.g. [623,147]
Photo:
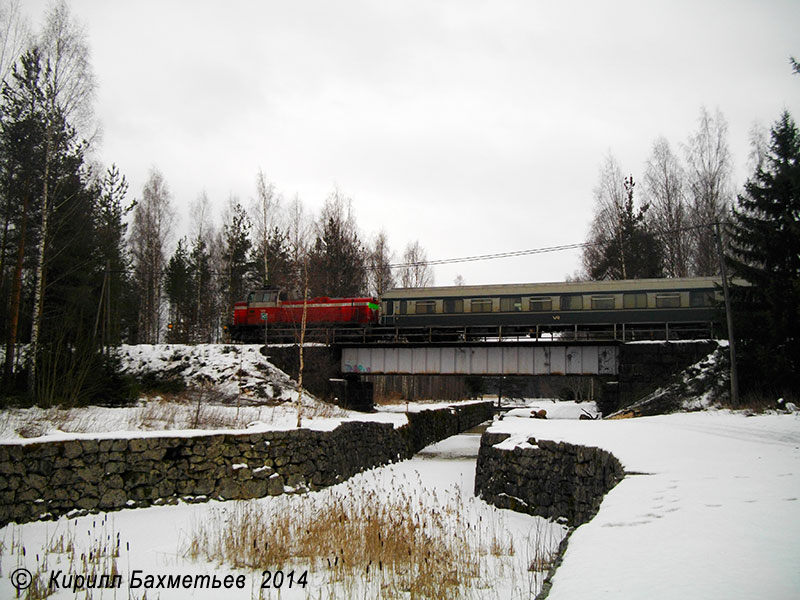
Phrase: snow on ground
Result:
[232,370]
[714,512]
[154,540]
[556,409]
[231,388]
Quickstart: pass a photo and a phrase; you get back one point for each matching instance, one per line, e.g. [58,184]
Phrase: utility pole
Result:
[728,316]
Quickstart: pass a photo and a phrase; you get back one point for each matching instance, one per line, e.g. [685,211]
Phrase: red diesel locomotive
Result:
[264,309]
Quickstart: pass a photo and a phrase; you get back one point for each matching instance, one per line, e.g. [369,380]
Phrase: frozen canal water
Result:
[439,481]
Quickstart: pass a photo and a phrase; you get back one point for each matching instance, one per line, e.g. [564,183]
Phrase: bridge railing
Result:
[344,336]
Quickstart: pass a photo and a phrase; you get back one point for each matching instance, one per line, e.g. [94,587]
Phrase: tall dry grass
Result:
[93,552]
[404,542]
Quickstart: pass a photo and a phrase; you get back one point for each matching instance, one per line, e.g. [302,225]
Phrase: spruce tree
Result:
[765,251]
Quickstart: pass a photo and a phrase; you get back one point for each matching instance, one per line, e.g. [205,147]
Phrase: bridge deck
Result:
[484,359]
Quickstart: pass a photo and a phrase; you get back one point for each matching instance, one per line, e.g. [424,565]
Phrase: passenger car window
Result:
[512,304]
[481,305]
[572,302]
[637,300]
[454,305]
[541,304]
[701,298]
[602,302]
[668,300]
[424,307]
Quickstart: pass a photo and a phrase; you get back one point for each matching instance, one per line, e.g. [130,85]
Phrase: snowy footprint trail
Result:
[715,512]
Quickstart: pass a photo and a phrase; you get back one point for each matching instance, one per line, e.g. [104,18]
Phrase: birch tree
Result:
[379,263]
[665,191]
[709,165]
[69,89]
[14,36]
[415,272]
[152,227]
[299,234]
[265,210]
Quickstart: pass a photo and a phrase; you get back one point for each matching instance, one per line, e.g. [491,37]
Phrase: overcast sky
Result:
[475,127]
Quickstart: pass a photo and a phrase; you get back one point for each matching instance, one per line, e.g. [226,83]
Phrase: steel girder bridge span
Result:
[549,358]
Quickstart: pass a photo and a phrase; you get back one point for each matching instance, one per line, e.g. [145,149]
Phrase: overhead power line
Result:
[480,257]
[533,251]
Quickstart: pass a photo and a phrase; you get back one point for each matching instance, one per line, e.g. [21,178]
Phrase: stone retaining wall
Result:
[548,479]
[49,479]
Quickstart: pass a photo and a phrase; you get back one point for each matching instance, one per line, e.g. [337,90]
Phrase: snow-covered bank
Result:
[231,370]
[154,541]
[713,513]
[231,388]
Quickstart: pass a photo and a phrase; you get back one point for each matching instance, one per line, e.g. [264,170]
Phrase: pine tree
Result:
[337,261]
[118,317]
[237,268]
[765,247]
[179,287]
[22,135]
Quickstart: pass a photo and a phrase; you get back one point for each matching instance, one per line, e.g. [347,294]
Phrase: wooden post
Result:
[728,317]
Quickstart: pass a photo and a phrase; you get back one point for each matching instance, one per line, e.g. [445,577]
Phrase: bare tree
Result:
[14,36]
[64,43]
[459,281]
[759,147]
[299,229]
[379,270]
[203,250]
[265,212]
[709,167]
[152,224]
[665,190]
[610,197]
[415,272]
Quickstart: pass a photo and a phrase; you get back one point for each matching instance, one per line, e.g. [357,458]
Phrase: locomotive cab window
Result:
[424,307]
[634,300]
[513,304]
[541,304]
[668,300]
[572,302]
[602,302]
[482,305]
[454,305]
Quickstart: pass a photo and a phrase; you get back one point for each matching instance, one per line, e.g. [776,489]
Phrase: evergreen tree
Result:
[337,260]
[22,134]
[118,313]
[237,269]
[765,247]
[179,287]
[632,251]
[204,313]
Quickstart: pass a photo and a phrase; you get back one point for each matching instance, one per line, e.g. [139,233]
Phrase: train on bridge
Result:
[624,309]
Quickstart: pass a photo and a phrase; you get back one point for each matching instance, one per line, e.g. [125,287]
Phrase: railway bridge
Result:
[625,370]
[489,358]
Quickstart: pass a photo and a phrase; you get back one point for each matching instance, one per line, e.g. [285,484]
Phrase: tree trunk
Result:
[16,295]
[38,295]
